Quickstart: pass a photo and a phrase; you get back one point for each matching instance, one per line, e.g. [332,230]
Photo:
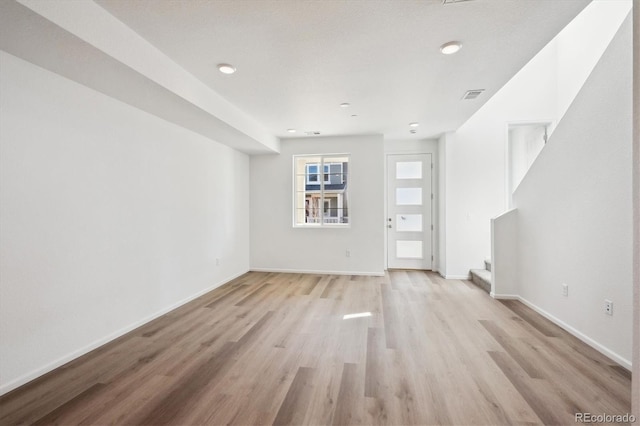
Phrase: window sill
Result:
[324,226]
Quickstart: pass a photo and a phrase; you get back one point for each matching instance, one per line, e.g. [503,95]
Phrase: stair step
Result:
[481,278]
[487,264]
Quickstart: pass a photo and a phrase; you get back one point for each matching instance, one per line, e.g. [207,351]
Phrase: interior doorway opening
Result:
[524,144]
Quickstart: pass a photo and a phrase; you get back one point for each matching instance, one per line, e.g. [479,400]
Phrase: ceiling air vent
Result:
[314,133]
[472,94]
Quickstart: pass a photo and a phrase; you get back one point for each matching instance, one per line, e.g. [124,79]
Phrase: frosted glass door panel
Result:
[409,170]
[409,222]
[409,196]
[409,249]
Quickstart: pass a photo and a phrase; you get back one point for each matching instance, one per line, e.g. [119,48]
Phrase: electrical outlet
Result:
[565,289]
[608,307]
[347,253]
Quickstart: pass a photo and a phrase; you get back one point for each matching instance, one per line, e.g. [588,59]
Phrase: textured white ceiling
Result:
[298,60]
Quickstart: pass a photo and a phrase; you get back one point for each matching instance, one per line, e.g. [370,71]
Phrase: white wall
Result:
[581,43]
[276,245]
[444,142]
[574,211]
[524,144]
[85,43]
[108,216]
[476,162]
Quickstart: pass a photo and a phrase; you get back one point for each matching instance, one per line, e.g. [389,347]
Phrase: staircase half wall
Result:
[504,240]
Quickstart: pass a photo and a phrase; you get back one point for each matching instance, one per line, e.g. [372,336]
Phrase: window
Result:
[313,176]
[321,190]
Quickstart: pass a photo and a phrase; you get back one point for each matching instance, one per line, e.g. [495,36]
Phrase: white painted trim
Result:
[504,296]
[453,277]
[503,214]
[311,271]
[456,277]
[8,387]
[583,337]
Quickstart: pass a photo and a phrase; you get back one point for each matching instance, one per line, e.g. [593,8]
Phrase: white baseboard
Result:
[453,277]
[8,387]
[583,337]
[457,277]
[504,296]
[311,271]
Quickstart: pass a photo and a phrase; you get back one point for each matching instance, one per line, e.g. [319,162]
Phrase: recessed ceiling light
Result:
[354,115]
[450,47]
[414,124]
[291,130]
[226,68]
[345,105]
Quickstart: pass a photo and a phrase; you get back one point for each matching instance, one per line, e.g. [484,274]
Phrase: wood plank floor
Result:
[272,348]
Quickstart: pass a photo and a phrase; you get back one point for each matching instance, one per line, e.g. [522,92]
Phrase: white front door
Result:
[409,223]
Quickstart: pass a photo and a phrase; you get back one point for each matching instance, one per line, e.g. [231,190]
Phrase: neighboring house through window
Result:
[320,190]
[313,173]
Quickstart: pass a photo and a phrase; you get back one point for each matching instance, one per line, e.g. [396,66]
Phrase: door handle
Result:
[388,226]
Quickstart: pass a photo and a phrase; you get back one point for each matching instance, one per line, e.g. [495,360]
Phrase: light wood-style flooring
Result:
[271,348]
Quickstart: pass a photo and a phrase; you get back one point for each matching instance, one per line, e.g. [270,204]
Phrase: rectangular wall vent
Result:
[472,94]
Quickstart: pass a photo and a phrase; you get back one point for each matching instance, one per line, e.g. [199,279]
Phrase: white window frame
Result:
[326,180]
